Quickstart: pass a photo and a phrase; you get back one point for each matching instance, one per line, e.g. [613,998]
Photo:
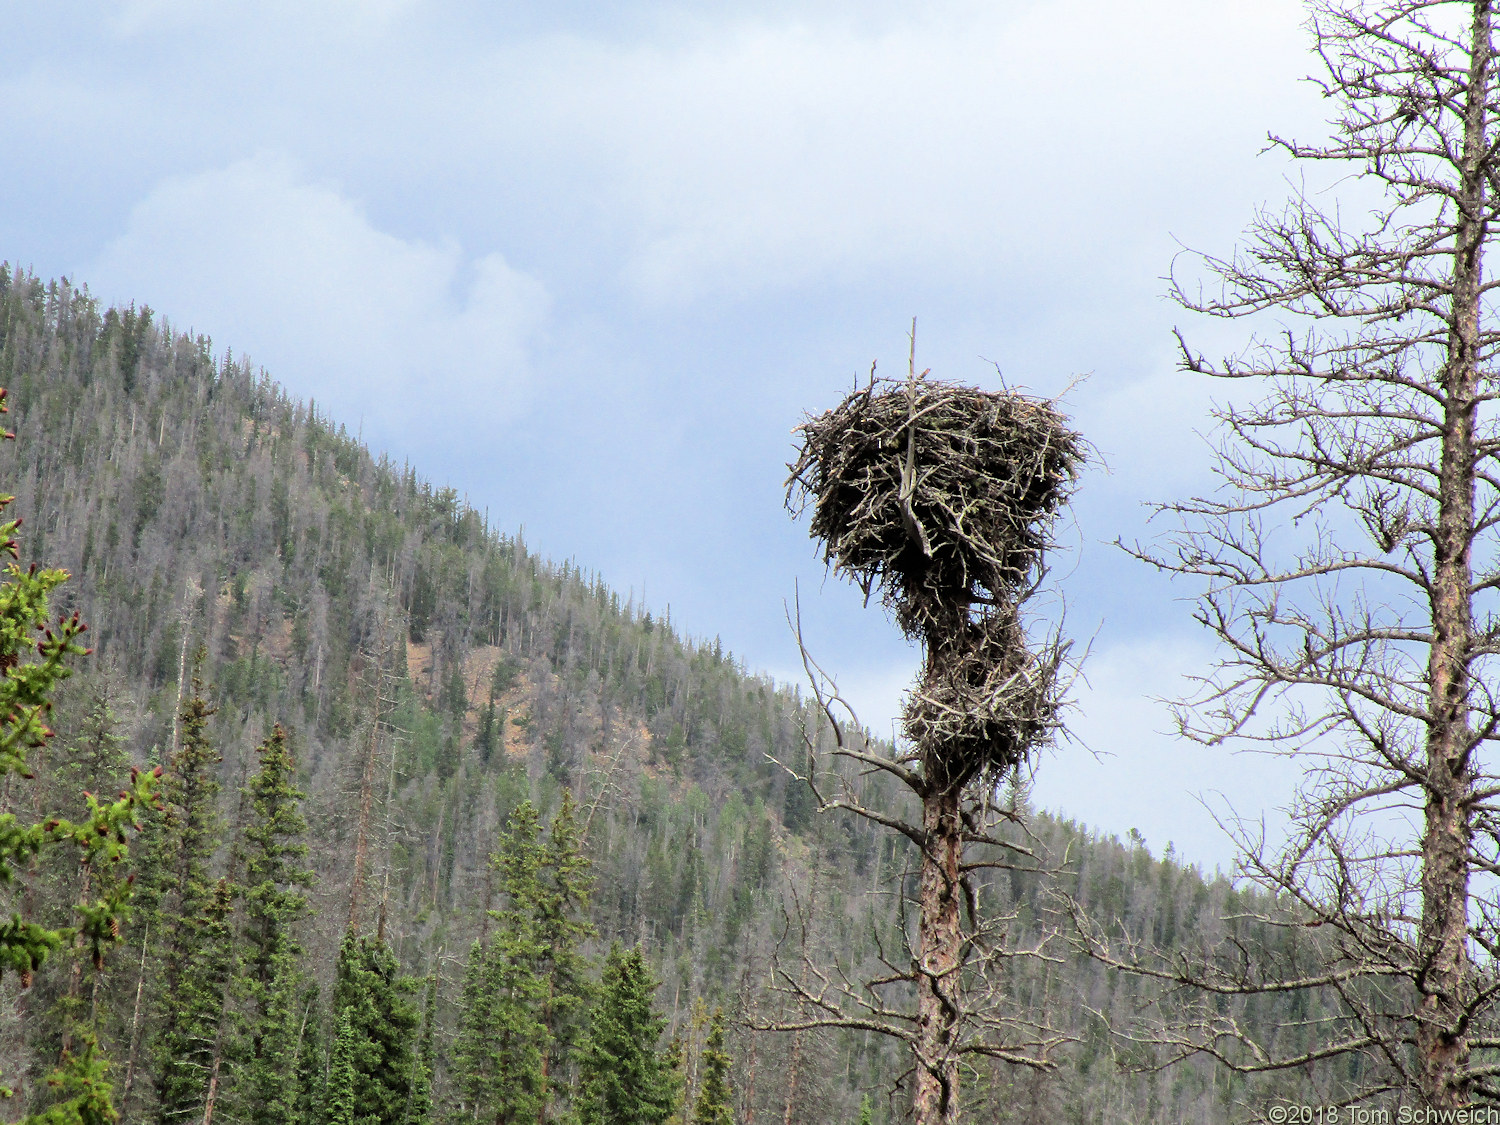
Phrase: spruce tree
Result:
[339,1108]
[371,992]
[308,1059]
[564,889]
[473,1045]
[624,1076]
[83,1080]
[197,940]
[36,654]
[267,1089]
[153,864]
[502,1045]
[94,762]
[712,1106]
[424,1063]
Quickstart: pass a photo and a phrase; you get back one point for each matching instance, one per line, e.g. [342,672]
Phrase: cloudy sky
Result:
[589,263]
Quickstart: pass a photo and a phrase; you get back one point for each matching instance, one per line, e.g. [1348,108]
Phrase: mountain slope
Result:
[434,672]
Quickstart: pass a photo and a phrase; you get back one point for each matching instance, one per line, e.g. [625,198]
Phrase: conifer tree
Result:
[712,1106]
[83,1076]
[308,1060]
[624,1076]
[151,860]
[565,886]
[339,1107]
[424,1063]
[275,899]
[371,993]
[473,1045]
[95,762]
[197,937]
[35,656]
[487,736]
[503,1040]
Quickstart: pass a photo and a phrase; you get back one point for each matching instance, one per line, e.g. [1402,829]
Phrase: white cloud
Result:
[772,188]
[137,17]
[1024,146]
[294,273]
[1127,767]
[1048,139]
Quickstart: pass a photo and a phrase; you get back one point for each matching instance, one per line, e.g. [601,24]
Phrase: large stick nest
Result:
[985,701]
[937,494]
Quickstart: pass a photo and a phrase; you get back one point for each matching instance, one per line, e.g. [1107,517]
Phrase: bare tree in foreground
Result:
[1350,564]
[941,496]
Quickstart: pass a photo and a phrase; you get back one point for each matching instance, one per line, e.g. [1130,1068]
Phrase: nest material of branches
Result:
[985,700]
[936,493]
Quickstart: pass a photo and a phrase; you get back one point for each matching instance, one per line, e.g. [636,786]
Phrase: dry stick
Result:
[939,942]
[749,1090]
[234,861]
[367,793]
[909,467]
[135,1022]
[301,1029]
[607,786]
[795,1066]
[390,794]
[75,974]
[191,593]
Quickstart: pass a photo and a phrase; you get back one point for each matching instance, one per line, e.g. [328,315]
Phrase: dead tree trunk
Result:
[1357,634]
[940,940]
[1443,933]
[385,648]
[135,1023]
[942,497]
[362,826]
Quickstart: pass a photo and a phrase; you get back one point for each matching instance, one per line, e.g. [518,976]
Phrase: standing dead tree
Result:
[386,647]
[941,497]
[1351,566]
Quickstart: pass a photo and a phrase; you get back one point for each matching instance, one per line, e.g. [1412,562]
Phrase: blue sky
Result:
[589,264]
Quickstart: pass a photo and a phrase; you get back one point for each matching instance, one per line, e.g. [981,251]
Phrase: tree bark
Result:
[362,828]
[939,943]
[135,1023]
[1442,1040]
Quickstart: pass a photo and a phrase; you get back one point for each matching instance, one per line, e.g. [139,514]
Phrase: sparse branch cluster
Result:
[1348,565]
[941,497]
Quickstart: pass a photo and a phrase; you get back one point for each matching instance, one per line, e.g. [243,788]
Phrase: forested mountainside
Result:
[254,580]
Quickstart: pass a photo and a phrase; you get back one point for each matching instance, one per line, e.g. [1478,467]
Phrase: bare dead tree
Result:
[1350,568]
[941,497]
[387,646]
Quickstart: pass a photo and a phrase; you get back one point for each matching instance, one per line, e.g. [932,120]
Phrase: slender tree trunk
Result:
[366,802]
[75,973]
[1442,1036]
[135,1024]
[189,599]
[794,1072]
[213,1089]
[748,1093]
[939,943]
[794,1067]
[362,829]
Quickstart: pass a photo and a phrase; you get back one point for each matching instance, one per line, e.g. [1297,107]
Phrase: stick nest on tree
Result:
[937,494]
[985,701]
